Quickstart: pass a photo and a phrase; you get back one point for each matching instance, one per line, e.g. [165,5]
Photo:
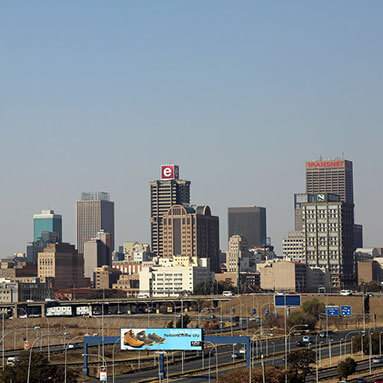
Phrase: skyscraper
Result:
[248,222]
[330,176]
[47,221]
[94,213]
[328,236]
[164,193]
[191,232]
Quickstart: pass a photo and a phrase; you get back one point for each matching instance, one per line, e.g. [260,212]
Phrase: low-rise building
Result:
[62,262]
[369,270]
[171,277]
[104,277]
[129,284]
[21,291]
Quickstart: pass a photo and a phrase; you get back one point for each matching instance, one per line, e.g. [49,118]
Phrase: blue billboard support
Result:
[93,340]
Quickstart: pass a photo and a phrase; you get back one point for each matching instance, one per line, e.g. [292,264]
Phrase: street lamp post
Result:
[370,352]
[65,354]
[118,340]
[286,336]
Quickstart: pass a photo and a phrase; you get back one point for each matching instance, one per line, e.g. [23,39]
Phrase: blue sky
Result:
[97,95]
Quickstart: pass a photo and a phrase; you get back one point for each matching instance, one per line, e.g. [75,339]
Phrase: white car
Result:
[345,292]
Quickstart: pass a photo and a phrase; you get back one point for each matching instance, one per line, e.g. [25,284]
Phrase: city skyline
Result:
[90,101]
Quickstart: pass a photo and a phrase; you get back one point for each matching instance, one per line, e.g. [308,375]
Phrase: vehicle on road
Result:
[360,380]
[236,319]
[139,296]
[227,293]
[212,316]
[345,292]
[179,316]
[236,355]
[377,360]
[306,339]
[379,380]
[11,360]
[300,343]
[71,346]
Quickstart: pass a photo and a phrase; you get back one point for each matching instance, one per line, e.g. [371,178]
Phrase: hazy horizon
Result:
[97,96]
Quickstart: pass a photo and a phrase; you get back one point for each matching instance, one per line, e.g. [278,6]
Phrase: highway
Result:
[224,358]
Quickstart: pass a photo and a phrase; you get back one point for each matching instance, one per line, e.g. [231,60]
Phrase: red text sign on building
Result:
[324,164]
[169,172]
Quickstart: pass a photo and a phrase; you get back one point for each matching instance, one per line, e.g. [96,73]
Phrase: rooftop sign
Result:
[170,172]
[324,164]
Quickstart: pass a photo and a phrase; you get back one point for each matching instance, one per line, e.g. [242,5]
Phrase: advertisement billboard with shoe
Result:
[161,339]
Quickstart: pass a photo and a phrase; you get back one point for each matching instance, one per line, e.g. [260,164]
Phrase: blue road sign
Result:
[266,312]
[253,311]
[332,311]
[287,300]
[345,311]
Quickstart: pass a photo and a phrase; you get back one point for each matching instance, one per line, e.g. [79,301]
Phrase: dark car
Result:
[377,360]
[212,316]
[300,343]
[236,319]
[360,380]
[379,380]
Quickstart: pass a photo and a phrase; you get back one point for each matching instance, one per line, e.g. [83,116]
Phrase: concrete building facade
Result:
[236,250]
[94,212]
[331,176]
[328,238]
[167,280]
[164,193]
[191,232]
[97,253]
[62,262]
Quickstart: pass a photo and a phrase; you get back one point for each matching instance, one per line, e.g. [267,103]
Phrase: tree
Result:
[40,372]
[299,317]
[357,342]
[346,367]
[299,363]
[170,324]
[313,307]
[183,321]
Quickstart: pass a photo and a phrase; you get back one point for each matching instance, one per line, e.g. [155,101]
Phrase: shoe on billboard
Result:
[142,336]
[131,340]
[156,338]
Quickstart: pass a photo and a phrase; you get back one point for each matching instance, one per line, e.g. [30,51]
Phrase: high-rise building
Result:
[47,221]
[97,253]
[358,236]
[328,237]
[236,250]
[300,198]
[248,222]
[164,193]
[94,213]
[191,232]
[293,246]
[330,176]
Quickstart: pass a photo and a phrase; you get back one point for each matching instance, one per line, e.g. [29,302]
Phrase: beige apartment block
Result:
[237,249]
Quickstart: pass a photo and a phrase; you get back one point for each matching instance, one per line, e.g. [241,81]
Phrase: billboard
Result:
[153,339]
[287,300]
[169,172]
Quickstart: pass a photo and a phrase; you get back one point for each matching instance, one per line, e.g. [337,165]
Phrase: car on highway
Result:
[345,292]
[236,319]
[236,355]
[360,380]
[212,316]
[179,316]
[300,343]
[379,380]
[306,339]
[377,360]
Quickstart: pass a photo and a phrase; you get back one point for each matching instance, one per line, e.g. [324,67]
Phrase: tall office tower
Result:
[298,200]
[94,212]
[164,193]
[332,176]
[358,236]
[248,222]
[237,249]
[97,253]
[191,232]
[47,221]
[328,237]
